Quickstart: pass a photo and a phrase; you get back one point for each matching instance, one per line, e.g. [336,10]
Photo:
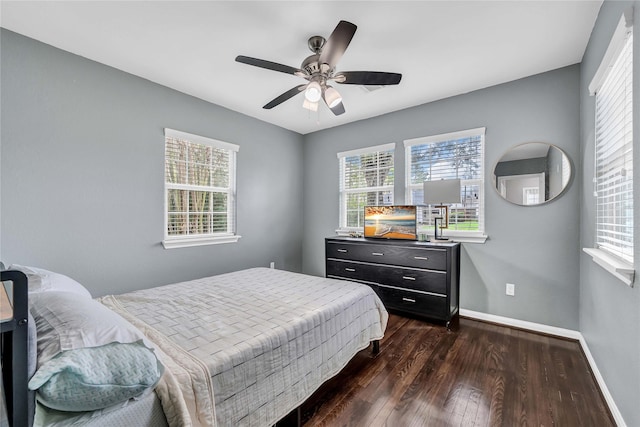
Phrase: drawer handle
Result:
[408,278]
[350,269]
[421,257]
[377,253]
[408,299]
[344,251]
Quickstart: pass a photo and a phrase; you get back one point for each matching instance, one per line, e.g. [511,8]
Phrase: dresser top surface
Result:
[394,242]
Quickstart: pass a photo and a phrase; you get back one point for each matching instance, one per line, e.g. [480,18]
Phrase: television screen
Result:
[390,222]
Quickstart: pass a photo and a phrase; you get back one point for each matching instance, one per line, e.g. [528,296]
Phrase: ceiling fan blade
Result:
[288,94]
[337,43]
[367,78]
[269,65]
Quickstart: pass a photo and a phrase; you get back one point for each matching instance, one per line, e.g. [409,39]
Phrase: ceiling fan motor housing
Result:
[315,43]
[311,64]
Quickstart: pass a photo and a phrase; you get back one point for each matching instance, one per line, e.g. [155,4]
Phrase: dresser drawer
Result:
[429,258]
[419,280]
[351,270]
[350,251]
[414,302]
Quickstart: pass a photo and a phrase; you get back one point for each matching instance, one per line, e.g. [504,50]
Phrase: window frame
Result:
[342,205]
[480,235]
[200,239]
[618,263]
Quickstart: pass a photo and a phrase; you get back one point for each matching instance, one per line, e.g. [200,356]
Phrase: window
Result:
[199,190]
[614,158]
[456,155]
[612,87]
[366,178]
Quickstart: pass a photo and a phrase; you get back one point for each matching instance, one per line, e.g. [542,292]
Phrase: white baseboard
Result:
[522,324]
[617,416]
[560,332]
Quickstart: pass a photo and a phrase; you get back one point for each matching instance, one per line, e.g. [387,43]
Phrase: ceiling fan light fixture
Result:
[311,106]
[313,92]
[332,97]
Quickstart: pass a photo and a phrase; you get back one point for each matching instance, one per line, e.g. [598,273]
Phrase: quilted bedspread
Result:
[268,338]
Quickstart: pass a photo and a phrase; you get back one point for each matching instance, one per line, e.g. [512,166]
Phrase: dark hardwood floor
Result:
[477,374]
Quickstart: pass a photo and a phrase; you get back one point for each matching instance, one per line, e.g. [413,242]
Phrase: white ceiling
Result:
[442,48]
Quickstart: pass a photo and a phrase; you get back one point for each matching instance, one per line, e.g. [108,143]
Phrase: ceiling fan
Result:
[319,69]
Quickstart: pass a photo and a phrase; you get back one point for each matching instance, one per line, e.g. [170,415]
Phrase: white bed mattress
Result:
[269,338]
[143,412]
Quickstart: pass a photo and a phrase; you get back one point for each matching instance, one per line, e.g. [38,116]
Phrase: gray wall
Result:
[544,108]
[81,180]
[82,174]
[609,309]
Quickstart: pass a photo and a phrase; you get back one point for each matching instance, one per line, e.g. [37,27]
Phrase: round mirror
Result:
[532,173]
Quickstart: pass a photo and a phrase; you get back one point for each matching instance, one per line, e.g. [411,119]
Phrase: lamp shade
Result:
[441,191]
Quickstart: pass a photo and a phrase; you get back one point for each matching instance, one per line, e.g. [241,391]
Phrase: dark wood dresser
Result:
[416,278]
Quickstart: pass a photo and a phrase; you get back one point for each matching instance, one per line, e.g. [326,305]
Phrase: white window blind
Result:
[366,179]
[614,154]
[199,190]
[456,155]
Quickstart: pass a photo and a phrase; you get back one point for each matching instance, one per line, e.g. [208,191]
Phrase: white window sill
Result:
[616,266]
[469,239]
[186,242]
[347,232]
[479,238]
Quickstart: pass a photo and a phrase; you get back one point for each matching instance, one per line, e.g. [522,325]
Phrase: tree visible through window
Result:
[366,179]
[457,155]
[200,186]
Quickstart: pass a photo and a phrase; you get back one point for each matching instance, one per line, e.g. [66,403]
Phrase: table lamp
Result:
[437,193]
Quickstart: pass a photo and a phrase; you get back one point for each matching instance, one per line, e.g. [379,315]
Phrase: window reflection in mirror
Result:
[532,173]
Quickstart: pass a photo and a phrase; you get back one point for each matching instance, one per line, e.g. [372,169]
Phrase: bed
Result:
[238,349]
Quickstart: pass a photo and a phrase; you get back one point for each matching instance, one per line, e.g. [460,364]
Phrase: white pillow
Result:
[89,357]
[88,379]
[41,280]
[66,322]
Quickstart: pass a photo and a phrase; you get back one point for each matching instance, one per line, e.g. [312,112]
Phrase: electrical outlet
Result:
[511,289]
[272,265]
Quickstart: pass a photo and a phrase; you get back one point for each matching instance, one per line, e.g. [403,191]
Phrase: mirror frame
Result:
[564,189]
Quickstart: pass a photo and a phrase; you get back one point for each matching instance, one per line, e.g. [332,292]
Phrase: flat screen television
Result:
[390,222]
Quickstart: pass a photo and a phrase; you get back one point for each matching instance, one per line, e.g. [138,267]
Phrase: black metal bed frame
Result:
[13,350]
